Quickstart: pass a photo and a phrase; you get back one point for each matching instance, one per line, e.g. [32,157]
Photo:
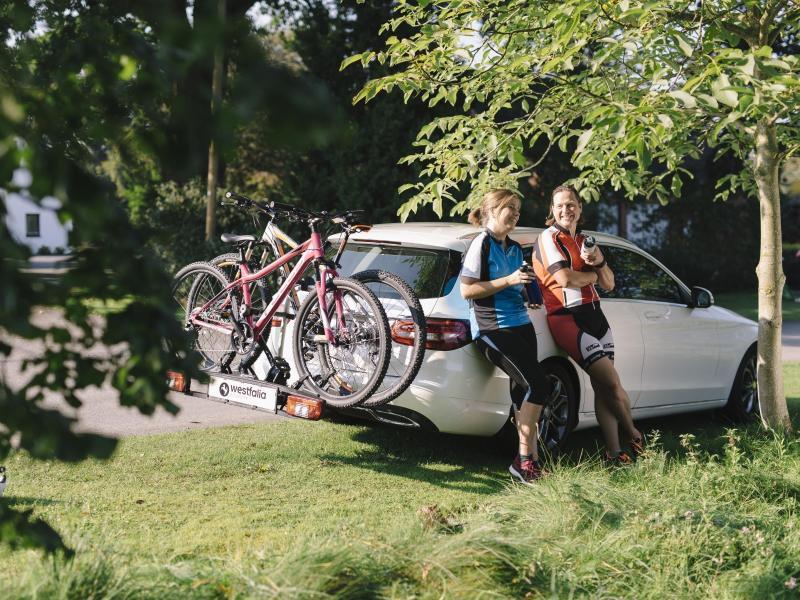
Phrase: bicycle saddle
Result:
[232,238]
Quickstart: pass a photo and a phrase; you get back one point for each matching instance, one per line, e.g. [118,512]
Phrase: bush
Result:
[59,250]
[174,222]
[44,251]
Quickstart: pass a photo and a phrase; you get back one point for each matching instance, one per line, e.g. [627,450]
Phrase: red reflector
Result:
[277,322]
[403,332]
[305,408]
[447,334]
[177,381]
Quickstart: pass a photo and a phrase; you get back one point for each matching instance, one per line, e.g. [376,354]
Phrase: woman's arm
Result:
[474,289]
[605,276]
[575,279]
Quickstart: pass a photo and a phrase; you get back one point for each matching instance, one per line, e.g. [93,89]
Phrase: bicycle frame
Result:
[310,253]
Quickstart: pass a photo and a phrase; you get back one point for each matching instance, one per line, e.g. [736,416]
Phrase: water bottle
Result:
[589,244]
[532,287]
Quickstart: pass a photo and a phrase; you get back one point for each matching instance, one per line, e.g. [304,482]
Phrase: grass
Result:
[746,304]
[339,509]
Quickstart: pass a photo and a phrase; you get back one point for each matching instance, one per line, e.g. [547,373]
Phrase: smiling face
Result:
[504,218]
[566,210]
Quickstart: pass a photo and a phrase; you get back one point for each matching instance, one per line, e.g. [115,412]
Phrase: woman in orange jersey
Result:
[568,272]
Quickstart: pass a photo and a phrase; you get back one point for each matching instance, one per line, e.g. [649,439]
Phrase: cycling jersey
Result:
[487,260]
[556,249]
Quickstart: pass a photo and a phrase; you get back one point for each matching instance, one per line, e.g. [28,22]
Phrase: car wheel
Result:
[743,402]
[560,413]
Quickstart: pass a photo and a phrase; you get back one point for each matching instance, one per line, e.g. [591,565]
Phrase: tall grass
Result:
[317,510]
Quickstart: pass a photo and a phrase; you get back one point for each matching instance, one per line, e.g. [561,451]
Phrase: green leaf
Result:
[643,154]
[778,64]
[684,45]
[129,66]
[677,185]
[749,67]
[720,87]
[708,100]
[666,121]
[350,60]
[583,140]
[684,97]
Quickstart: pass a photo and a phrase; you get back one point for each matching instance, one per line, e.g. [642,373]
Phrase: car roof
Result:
[455,236]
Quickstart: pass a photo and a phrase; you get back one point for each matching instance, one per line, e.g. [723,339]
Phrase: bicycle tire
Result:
[195,284]
[371,346]
[405,360]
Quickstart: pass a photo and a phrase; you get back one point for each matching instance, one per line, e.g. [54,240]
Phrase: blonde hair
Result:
[492,200]
[563,188]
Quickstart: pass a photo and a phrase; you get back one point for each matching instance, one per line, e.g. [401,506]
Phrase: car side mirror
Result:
[701,297]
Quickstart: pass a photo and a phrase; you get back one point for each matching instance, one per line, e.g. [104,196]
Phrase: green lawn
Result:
[340,509]
[746,304]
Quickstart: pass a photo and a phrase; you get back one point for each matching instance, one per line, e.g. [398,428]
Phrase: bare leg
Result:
[612,396]
[527,420]
[609,426]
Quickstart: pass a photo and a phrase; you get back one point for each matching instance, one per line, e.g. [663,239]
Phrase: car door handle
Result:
[651,314]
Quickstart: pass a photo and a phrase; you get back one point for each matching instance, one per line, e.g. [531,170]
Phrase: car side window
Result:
[638,278]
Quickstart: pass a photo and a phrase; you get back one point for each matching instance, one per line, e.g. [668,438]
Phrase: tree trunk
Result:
[770,282]
[213,150]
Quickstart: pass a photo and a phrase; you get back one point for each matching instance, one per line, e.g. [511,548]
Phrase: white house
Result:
[32,223]
[35,224]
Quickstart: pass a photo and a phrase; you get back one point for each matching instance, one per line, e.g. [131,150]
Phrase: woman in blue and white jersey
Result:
[493,278]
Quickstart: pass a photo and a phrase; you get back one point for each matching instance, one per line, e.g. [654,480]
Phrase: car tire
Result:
[742,403]
[559,416]
[560,413]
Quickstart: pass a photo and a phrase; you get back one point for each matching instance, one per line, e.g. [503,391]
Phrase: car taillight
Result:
[443,334]
[305,408]
[177,381]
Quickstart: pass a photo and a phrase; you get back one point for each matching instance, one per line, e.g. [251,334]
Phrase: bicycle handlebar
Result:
[294,213]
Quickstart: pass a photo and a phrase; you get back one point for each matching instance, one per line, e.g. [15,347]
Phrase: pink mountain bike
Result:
[341,339]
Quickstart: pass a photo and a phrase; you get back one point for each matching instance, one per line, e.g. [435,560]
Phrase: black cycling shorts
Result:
[513,349]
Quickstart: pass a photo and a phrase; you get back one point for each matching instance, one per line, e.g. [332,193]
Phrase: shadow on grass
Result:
[465,463]
[708,428]
[29,501]
[478,465]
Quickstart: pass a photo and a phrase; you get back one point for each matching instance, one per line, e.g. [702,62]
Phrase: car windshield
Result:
[429,272]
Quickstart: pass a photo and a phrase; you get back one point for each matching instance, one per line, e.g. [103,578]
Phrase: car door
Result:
[623,317]
[680,343]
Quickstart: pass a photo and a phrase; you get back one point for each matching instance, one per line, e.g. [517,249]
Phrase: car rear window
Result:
[431,273]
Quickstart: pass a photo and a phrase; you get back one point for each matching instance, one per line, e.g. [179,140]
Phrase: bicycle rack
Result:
[252,393]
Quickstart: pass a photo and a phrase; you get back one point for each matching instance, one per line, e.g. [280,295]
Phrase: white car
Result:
[675,351]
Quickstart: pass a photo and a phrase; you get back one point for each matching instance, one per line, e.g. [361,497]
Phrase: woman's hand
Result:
[593,258]
[521,276]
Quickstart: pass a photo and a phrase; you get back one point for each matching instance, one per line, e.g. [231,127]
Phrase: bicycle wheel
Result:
[228,263]
[408,333]
[193,287]
[346,372]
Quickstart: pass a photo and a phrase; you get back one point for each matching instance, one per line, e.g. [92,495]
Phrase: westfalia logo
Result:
[244,390]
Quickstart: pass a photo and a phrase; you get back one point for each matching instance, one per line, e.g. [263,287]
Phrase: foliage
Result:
[120,82]
[630,87]
[358,168]
[173,222]
[746,304]
[633,88]
[711,512]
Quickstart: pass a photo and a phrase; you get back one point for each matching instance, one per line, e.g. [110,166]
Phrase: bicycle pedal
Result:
[320,338]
